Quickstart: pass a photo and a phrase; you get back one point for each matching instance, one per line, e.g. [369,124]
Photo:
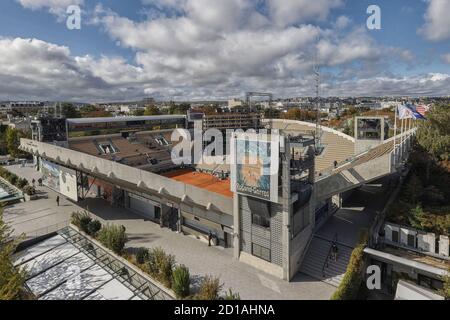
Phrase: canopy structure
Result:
[68,266]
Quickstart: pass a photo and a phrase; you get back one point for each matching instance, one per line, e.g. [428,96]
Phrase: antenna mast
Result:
[316,68]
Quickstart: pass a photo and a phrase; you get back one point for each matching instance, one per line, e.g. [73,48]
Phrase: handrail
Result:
[325,264]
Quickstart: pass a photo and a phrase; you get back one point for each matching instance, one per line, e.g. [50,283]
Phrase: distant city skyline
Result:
[188,50]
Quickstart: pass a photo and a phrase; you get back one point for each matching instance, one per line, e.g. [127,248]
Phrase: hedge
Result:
[349,287]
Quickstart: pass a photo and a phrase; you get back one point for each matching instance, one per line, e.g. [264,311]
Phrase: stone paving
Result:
[201,259]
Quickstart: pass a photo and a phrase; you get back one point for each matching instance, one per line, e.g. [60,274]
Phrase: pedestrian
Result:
[334,251]
[335,164]
[209,239]
[57,201]
[33,182]
[40,182]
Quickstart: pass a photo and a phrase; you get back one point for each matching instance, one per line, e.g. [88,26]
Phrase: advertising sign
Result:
[255,168]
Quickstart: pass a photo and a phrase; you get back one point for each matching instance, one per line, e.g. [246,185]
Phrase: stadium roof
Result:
[124,119]
[68,266]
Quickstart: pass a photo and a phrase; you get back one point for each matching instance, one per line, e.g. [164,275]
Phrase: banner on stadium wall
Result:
[255,164]
[60,179]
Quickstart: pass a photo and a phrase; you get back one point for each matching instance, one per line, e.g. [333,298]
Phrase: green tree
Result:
[11,278]
[151,110]
[13,137]
[138,112]
[434,133]
[69,111]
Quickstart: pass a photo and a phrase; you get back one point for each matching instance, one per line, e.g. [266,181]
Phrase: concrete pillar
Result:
[286,192]
[236,227]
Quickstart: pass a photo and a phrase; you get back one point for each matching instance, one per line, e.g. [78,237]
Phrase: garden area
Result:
[155,262]
[19,183]
[424,200]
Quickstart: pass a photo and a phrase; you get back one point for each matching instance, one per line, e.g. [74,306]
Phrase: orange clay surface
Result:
[201,180]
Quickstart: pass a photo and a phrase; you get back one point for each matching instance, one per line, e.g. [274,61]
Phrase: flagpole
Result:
[395,135]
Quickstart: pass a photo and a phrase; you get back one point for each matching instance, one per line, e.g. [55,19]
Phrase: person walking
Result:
[334,251]
[57,201]
[209,239]
[33,182]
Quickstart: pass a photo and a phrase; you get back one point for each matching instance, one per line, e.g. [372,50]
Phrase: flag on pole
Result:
[404,112]
[415,115]
[423,109]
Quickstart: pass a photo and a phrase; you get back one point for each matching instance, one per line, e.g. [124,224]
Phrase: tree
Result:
[434,133]
[11,278]
[151,110]
[13,137]
[138,112]
[68,110]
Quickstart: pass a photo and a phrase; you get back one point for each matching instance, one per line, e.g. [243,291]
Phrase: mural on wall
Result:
[256,161]
[50,175]
[60,179]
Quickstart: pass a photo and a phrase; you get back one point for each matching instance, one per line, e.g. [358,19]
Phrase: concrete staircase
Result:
[316,256]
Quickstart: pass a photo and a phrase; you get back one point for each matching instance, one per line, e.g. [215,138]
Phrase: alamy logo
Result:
[374,20]
[374,278]
[73,17]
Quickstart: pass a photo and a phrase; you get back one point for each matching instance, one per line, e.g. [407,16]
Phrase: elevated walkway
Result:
[364,168]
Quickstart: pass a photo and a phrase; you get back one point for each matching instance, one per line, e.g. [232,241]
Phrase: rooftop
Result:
[123,119]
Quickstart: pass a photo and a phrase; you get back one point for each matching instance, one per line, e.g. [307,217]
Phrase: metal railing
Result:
[326,263]
[46,230]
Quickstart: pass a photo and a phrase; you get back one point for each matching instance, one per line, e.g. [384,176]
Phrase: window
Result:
[260,252]
[260,221]
[411,241]
[394,236]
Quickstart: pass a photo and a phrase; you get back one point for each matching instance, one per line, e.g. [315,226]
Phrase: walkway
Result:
[201,259]
[358,211]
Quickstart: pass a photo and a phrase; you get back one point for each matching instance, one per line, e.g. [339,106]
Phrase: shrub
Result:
[232,295]
[29,190]
[160,265]
[81,220]
[142,255]
[113,237]
[209,288]
[13,179]
[181,281]
[22,183]
[93,227]
[349,287]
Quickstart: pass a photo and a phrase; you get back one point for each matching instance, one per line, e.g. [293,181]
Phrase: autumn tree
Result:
[151,110]
[434,133]
[11,278]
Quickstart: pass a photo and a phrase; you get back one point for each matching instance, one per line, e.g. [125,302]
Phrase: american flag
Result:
[422,109]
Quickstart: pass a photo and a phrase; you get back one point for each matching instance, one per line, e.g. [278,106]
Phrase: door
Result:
[143,208]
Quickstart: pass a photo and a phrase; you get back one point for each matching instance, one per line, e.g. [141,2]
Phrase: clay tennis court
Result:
[201,180]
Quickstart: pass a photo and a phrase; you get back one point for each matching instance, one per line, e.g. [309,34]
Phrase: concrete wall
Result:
[353,177]
[164,187]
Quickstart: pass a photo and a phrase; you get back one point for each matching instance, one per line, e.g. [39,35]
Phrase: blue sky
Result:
[217,49]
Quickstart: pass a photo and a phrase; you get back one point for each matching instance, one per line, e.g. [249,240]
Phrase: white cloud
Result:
[437,22]
[446,58]
[210,49]
[56,7]
[342,22]
[286,12]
